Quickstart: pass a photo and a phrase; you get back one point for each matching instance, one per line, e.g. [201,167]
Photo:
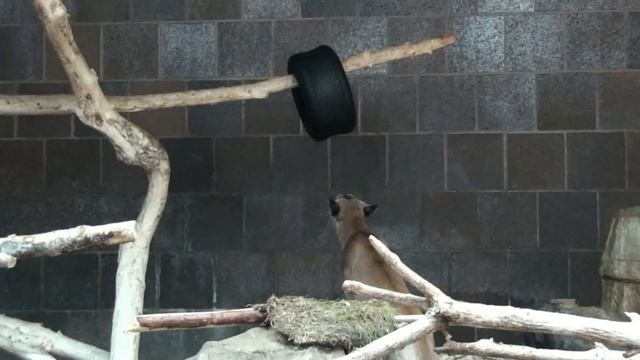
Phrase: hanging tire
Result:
[323,96]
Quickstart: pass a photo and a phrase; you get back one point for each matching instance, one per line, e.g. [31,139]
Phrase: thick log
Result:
[65,104]
[60,242]
[191,320]
[487,347]
[620,263]
[33,341]
[133,146]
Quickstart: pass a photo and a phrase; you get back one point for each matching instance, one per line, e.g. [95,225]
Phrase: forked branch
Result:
[32,341]
[451,312]
[133,146]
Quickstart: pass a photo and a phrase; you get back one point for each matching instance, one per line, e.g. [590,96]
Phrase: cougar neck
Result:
[350,227]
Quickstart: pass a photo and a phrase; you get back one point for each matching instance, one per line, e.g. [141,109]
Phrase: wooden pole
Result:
[60,242]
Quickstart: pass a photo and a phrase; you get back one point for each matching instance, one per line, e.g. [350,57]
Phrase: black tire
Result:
[323,96]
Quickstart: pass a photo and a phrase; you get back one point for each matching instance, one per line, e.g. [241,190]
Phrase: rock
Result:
[268,344]
[261,344]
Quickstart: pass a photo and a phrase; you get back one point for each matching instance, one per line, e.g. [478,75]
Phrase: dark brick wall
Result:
[497,163]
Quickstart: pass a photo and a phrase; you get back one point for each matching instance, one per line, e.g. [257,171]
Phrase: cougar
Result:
[361,262]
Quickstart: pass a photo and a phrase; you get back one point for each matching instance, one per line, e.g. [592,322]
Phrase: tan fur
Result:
[361,262]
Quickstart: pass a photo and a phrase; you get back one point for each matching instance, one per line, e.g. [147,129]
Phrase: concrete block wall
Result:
[498,163]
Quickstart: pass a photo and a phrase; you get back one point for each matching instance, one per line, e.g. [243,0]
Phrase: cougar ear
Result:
[334,206]
[369,209]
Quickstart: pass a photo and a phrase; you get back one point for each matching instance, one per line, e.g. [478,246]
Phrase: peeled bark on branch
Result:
[191,320]
[60,242]
[33,341]
[66,104]
[133,146]
[23,351]
[487,347]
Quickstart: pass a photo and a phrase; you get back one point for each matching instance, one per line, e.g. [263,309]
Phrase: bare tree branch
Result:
[191,320]
[396,340]
[66,104]
[133,146]
[487,347]
[33,341]
[60,242]
[356,287]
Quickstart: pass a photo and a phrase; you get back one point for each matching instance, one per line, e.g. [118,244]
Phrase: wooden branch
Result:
[396,340]
[133,146]
[488,348]
[60,242]
[66,104]
[356,287]
[625,334]
[191,320]
[406,50]
[33,341]
[427,288]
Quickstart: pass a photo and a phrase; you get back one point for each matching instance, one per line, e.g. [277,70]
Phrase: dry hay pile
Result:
[346,323]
